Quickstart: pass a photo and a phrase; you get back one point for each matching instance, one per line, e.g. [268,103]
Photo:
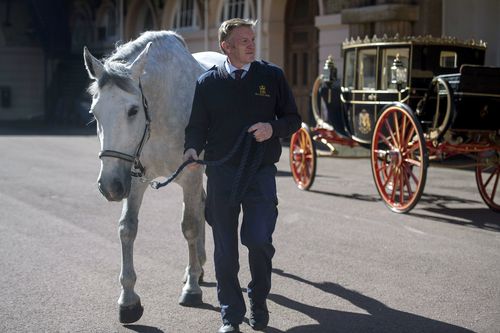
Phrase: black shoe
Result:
[229,328]
[259,316]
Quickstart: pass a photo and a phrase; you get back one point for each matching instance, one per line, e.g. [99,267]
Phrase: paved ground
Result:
[344,262]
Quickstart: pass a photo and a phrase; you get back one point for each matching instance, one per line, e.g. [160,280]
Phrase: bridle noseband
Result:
[138,169]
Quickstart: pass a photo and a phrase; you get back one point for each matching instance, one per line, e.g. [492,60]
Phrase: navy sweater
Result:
[223,107]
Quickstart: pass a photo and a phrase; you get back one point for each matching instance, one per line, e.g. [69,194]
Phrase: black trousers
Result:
[259,205]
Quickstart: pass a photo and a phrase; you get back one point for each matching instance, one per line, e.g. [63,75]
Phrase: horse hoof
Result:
[131,314]
[190,299]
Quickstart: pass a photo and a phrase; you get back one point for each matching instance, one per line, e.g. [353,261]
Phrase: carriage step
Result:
[326,153]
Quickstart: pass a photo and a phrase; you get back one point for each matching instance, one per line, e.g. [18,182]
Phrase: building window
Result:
[149,23]
[237,8]
[106,29]
[186,15]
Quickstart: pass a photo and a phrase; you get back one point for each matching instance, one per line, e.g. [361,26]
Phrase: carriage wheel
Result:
[399,158]
[302,158]
[488,179]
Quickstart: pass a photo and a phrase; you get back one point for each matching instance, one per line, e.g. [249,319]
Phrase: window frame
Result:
[385,70]
[445,56]
[108,23]
[181,9]
[249,10]
[360,66]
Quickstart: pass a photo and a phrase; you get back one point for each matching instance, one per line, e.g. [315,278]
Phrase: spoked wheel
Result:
[303,158]
[488,179]
[399,158]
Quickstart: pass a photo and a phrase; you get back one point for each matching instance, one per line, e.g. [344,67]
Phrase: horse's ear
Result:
[137,66]
[94,67]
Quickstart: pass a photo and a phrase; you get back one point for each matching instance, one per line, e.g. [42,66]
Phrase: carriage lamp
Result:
[329,70]
[398,73]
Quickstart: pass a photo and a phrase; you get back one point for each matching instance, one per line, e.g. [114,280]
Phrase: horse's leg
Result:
[130,303]
[202,256]
[193,228]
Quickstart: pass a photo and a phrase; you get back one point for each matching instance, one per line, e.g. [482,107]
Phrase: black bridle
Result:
[138,169]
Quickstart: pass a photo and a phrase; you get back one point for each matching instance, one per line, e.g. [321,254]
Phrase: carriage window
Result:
[448,59]
[388,56]
[367,64]
[186,15]
[349,69]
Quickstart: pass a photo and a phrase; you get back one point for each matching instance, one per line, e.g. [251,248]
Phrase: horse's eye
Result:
[133,111]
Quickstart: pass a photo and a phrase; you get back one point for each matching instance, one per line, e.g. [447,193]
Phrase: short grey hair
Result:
[228,26]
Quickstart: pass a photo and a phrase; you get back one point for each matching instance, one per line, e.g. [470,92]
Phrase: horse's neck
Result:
[169,87]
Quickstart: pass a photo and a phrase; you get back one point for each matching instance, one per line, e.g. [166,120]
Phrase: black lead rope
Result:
[239,187]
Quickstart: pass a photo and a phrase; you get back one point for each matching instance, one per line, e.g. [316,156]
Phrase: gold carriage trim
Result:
[428,39]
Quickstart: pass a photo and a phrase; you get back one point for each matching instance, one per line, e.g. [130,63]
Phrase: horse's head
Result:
[120,111]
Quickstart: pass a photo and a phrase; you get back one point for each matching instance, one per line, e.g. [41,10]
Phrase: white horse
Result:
[142,97]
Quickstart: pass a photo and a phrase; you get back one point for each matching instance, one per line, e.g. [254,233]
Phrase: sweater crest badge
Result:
[262,91]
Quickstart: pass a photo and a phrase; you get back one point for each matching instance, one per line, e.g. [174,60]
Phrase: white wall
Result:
[475,19]
[22,71]
[332,33]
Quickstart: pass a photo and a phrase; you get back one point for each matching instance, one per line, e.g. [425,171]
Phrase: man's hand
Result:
[191,154]
[261,131]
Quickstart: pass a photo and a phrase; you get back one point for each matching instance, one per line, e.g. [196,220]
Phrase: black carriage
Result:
[409,100]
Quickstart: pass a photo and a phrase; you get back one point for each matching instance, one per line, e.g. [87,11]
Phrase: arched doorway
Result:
[301,51]
[81,25]
[142,16]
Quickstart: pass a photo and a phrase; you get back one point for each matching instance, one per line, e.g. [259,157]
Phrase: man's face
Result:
[240,46]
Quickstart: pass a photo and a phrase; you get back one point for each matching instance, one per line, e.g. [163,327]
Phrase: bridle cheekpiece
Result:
[138,169]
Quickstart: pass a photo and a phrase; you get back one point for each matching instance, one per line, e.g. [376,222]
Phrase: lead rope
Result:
[239,188]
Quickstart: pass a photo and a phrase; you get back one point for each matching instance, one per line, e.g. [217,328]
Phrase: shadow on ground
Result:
[380,318]
[143,329]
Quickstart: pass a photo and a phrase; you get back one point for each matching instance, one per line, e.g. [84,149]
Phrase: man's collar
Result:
[230,68]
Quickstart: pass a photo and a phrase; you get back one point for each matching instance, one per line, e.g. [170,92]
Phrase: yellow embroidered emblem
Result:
[365,125]
[262,91]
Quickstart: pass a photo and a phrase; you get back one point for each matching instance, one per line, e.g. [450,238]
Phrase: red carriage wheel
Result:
[302,158]
[488,179]
[399,158]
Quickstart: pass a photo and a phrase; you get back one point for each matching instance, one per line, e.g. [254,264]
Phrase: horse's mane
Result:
[116,71]
[131,49]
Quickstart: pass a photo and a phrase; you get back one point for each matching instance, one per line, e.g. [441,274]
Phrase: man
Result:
[243,93]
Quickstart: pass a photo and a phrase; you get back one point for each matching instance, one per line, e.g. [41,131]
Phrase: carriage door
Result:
[301,53]
[374,89]
[363,111]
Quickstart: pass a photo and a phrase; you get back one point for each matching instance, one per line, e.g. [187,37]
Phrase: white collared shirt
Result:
[230,68]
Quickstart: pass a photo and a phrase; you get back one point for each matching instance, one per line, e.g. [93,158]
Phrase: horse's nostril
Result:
[117,188]
[112,191]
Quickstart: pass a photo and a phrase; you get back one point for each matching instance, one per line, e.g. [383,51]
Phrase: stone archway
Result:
[141,16]
[82,27]
[301,51]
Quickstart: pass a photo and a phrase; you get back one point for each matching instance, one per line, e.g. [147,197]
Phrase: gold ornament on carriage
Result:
[365,125]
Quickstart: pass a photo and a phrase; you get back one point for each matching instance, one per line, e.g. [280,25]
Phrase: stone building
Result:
[41,69]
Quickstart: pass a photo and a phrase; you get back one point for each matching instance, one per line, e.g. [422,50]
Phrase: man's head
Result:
[237,41]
